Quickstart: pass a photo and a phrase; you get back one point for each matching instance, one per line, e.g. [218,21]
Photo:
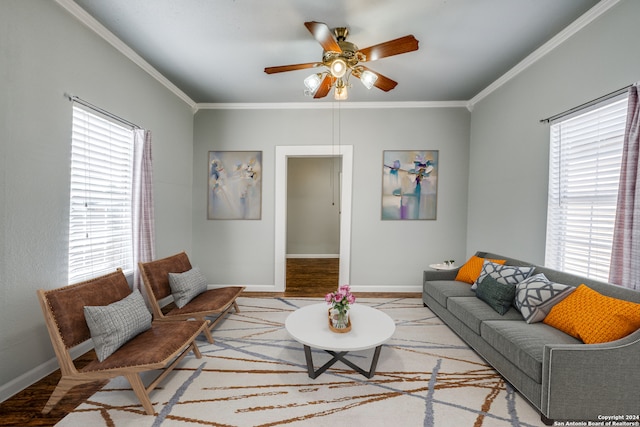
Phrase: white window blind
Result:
[100,220]
[584,170]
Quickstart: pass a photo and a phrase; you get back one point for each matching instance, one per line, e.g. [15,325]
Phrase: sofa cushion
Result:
[498,295]
[440,290]
[523,343]
[472,312]
[187,285]
[536,296]
[509,274]
[152,346]
[113,325]
[594,318]
[471,269]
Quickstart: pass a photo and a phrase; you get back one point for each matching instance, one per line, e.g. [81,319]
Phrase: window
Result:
[100,218]
[584,170]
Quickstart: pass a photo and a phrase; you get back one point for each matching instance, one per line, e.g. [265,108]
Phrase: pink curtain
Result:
[143,217]
[625,254]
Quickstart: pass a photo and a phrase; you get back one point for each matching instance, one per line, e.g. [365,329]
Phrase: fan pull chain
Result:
[333,153]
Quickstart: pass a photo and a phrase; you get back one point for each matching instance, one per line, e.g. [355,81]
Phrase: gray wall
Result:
[383,253]
[313,206]
[508,174]
[45,52]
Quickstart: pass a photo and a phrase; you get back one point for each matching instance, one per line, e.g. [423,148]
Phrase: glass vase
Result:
[340,318]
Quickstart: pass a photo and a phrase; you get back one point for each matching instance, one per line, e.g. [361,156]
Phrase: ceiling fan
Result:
[341,59]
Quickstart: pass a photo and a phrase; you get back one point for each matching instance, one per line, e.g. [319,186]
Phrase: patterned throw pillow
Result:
[594,318]
[508,274]
[111,326]
[498,295]
[471,269]
[536,296]
[186,286]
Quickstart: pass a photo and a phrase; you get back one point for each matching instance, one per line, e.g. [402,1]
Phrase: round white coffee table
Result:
[369,328]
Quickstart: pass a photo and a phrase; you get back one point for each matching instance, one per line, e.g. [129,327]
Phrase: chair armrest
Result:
[429,275]
[584,381]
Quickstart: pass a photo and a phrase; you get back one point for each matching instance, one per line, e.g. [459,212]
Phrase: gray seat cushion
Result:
[440,290]
[523,343]
[472,311]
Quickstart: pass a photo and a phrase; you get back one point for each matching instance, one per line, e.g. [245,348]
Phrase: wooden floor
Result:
[312,276]
[305,278]
[316,277]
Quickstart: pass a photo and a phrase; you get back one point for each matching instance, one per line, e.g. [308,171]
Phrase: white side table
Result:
[369,328]
[443,266]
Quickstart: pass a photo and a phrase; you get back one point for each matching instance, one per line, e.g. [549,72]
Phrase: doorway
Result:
[283,153]
[313,225]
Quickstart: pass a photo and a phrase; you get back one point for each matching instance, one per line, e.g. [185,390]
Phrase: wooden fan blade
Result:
[323,35]
[325,86]
[283,68]
[392,47]
[383,82]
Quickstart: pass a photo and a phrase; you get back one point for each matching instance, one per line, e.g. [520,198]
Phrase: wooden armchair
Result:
[161,347]
[212,302]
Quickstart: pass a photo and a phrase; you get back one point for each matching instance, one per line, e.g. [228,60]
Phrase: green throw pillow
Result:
[498,295]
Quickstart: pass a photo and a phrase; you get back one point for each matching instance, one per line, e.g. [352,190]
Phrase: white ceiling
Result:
[215,51]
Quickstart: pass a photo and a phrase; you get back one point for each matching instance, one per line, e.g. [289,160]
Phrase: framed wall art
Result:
[235,185]
[409,184]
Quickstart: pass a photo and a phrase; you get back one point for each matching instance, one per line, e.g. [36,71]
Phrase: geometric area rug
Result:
[255,374]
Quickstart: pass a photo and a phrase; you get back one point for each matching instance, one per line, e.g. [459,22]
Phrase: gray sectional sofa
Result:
[561,376]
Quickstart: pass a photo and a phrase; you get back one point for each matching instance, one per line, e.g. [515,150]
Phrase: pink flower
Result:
[341,298]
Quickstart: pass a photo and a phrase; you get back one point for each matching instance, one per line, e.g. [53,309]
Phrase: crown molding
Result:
[592,14]
[88,20]
[329,105]
[588,17]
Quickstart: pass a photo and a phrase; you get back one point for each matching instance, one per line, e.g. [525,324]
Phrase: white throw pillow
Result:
[186,286]
[112,325]
[536,296]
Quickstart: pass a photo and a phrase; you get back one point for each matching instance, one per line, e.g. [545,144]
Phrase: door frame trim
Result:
[281,162]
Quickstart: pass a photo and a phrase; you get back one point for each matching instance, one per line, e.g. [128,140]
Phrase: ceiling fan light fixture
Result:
[338,68]
[368,78]
[340,93]
[312,83]
[340,59]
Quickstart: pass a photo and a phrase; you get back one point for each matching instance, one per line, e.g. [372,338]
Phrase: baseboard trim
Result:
[39,372]
[362,288]
[386,289]
[251,288]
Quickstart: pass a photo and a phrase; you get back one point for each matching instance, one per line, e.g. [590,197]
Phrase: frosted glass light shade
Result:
[338,68]
[340,94]
[313,82]
[368,78]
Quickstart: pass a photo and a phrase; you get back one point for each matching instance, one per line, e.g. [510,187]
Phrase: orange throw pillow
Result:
[594,318]
[471,269]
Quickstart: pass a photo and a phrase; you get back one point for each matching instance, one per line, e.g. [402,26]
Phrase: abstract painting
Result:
[409,184]
[235,185]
